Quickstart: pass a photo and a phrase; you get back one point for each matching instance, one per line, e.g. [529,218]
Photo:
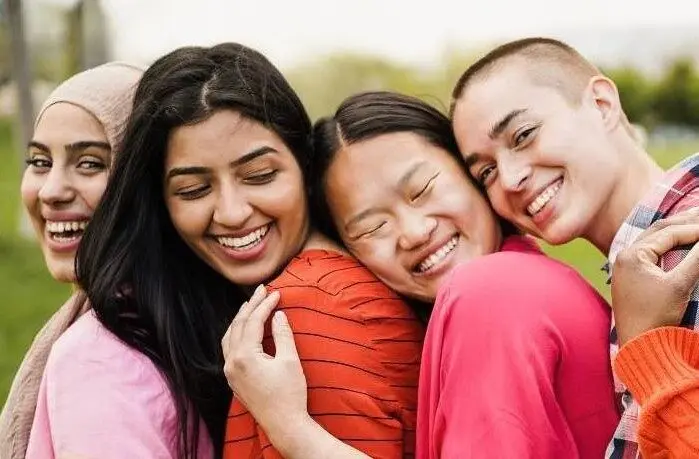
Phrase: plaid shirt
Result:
[678,191]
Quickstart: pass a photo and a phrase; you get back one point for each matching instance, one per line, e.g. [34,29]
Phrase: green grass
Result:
[29,295]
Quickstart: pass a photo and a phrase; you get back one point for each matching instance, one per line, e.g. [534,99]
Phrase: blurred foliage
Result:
[30,295]
[670,98]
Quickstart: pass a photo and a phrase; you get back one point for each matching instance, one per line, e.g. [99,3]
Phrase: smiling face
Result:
[235,195]
[548,164]
[68,164]
[407,210]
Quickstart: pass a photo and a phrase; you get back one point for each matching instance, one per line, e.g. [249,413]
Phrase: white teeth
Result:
[57,228]
[543,199]
[438,255]
[246,242]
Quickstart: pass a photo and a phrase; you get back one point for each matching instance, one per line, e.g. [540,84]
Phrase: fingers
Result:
[666,239]
[686,216]
[255,324]
[283,336]
[235,330]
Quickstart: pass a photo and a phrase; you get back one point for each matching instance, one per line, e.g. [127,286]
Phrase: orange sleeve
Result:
[359,346]
[661,369]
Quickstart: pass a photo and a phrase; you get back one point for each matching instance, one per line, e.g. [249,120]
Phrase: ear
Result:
[602,93]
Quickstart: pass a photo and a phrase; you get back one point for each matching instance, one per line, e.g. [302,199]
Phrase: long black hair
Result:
[144,283]
[367,115]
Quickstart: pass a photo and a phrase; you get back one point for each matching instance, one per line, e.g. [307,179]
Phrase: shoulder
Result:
[335,280]
[88,357]
[513,277]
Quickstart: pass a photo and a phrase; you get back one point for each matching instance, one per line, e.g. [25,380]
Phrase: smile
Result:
[65,231]
[246,242]
[438,256]
[544,198]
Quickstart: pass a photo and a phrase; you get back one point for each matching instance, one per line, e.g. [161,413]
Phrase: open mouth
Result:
[65,232]
[431,262]
[247,242]
[540,202]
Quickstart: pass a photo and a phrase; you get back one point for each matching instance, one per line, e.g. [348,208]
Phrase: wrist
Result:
[289,431]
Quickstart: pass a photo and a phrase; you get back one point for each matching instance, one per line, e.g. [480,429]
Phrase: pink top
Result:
[515,362]
[100,398]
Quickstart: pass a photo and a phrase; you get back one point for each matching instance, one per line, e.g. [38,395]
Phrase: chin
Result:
[559,235]
[63,274]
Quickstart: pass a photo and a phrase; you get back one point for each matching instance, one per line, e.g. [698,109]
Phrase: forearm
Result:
[660,368]
[306,438]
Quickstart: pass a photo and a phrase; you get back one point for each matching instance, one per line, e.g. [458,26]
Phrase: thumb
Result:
[283,336]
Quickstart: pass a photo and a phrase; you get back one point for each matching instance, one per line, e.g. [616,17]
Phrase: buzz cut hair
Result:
[546,61]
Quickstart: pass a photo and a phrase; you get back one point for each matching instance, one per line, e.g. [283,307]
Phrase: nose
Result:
[513,173]
[416,230]
[57,188]
[233,209]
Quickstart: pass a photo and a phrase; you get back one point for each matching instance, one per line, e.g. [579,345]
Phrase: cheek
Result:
[285,201]
[92,190]
[190,218]
[31,184]
[380,258]
[498,201]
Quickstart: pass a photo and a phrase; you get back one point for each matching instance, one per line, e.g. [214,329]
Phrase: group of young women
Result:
[376,248]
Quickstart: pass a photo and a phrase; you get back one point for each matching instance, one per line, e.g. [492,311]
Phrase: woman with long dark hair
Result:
[207,200]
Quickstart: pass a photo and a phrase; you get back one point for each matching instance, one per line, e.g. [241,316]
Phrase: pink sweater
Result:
[515,362]
[100,398]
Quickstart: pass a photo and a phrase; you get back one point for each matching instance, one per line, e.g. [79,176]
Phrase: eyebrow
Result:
[405,179]
[256,153]
[38,145]
[472,159]
[200,170]
[499,127]
[73,147]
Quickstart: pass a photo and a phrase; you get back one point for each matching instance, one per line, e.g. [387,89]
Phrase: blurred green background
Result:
[30,295]
[662,98]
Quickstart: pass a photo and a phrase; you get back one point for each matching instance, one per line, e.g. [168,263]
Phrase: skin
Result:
[68,167]
[521,138]
[397,199]
[227,177]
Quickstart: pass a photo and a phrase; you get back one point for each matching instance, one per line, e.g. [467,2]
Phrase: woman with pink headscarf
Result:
[68,160]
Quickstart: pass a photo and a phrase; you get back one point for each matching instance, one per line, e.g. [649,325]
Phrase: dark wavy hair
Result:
[371,114]
[144,283]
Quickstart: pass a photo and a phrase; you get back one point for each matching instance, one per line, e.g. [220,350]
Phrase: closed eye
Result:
[193,193]
[424,189]
[372,230]
[260,179]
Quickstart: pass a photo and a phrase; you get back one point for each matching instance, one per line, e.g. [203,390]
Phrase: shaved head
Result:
[544,61]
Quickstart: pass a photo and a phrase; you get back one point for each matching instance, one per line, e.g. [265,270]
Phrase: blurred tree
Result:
[636,91]
[676,99]
[324,83]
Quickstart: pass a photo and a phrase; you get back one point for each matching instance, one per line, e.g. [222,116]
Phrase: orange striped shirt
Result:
[360,348]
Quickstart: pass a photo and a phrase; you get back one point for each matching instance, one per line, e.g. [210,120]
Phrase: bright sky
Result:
[289,31]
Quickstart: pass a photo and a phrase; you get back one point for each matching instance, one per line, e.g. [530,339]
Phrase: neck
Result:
[639,173]
[318,241]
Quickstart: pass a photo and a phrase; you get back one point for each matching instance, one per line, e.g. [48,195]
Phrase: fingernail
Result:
[279,317]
